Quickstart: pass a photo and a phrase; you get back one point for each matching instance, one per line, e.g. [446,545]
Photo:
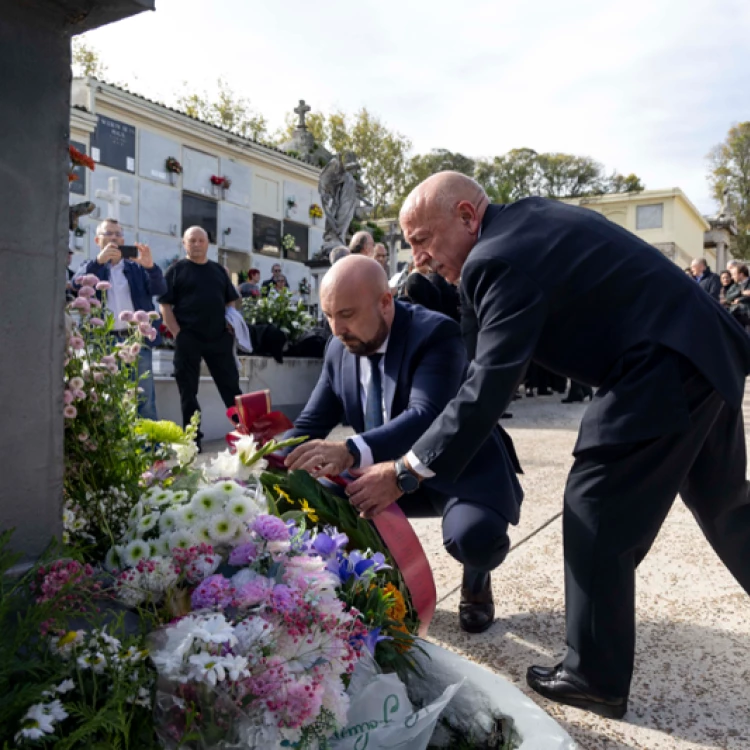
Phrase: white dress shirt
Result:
[118,297]
[365,375]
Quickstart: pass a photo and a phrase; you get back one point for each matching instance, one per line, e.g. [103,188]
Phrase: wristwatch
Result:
[351,446]
[406,480]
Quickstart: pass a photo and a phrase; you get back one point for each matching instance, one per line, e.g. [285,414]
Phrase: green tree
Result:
[87,60]
[316,123]
[226,110]
[730,170]
[422,166]
[510,177]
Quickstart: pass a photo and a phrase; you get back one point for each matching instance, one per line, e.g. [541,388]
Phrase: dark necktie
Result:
[374,395]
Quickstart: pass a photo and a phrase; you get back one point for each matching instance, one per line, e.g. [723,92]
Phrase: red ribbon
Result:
[253,410]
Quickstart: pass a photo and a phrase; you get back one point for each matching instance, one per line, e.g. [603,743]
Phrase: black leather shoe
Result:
[557,684]
[476,612]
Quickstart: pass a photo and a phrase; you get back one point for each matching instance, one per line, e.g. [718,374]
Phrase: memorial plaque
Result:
[79,186]
[199,212]
[154,150]
[234,227]
[126,187]
[266,235]
[300,234]
[159,208]
[197,170]
[301,195]
[316,240]
[242,182]
[266,196]
[113,144]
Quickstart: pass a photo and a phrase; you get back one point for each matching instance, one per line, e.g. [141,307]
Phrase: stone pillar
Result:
[35,60]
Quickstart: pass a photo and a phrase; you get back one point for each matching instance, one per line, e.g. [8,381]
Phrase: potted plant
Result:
[78,159]
[316,212]
[291,205]
[220,184]
[289,243]
[173,168]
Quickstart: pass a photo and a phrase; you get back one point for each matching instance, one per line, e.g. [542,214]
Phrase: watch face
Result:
[407,482]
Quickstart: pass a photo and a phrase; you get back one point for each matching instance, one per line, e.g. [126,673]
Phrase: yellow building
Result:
[665,219]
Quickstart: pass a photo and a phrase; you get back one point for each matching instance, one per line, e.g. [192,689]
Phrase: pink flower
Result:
[94,396]
[70,412]
[152,335]
[135,349]
[76,342]
[97,322]
[108,359]
[103,286]
[68,397]
[83,437]
[76,383]
[98,377]
[79,303]
[86,291]
[89,279]
[94,302]
[80,395]
[113,368]
[153,315]
[141,316]
[126,316]
[144,328]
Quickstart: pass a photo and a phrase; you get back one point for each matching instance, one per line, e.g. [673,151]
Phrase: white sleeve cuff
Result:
[418,466]
[365,453]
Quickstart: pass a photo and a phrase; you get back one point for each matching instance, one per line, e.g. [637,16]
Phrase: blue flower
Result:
[327,545]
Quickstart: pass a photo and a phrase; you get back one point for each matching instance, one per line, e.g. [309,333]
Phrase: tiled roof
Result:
[203,122]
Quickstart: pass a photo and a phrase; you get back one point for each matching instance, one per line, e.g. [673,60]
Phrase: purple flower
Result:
[215,591]
[254,592]
[86,291]
[243,554]
[327,546]
[96,322]
[80,303]
[271,528]
[89,279]
[103,286]
[372,639]
[126,316]
[282,597]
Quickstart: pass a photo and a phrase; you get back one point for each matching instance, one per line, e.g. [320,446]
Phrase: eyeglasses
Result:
[111,234]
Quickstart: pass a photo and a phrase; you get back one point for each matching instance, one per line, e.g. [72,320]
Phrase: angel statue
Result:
[339,194]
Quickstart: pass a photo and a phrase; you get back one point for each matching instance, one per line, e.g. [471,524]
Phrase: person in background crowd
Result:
[70,293]
[726,283]
[688,271]
[362,243]
[194,309]
[134,285]
[276,274]
[251,287]
[738,295]
[708,281]
[338,253]
[380,254]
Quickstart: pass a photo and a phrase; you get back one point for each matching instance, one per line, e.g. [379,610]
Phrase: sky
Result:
[643,86]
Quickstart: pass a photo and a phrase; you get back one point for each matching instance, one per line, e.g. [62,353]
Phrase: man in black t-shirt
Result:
[193,308]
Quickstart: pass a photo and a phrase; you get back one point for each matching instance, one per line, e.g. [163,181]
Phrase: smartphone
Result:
[128,251]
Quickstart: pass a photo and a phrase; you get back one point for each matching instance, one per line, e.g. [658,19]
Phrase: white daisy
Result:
[163,548]
[136,512]
[168,521]
[148,522]
[241,508]
[222,528]
[113,560]
[136,551]
[65,686]
[180,497]
[205,503]
[182,539]
[228,489]
[187,516]
[161,498]
[36,723]
[203,531]
[207,667]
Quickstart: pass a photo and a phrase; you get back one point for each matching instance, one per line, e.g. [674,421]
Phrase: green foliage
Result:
[730,169]
[225,109]
[87,60]
[277,308]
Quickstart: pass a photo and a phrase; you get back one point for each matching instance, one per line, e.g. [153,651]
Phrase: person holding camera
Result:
[135,280]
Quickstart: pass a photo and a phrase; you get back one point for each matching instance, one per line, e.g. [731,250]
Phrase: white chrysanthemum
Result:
[182,539]
[205,502]
[223,528]
[168,521]
[187,516]
[215,628]
[179,497]
[202,531]
[205,667]
[228,489]
[162,546]
[112,560]
[243,576]
[136,512]
[136,551]
[93,660]
[148,522]
[65,686]
[225,465]
[37,722]
[185,454]
[161,498]
[162,577]
[242,508]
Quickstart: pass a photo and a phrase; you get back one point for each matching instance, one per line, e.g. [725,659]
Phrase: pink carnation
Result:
[135,349]
[89,279]
[98,377]
[95,302]
[144,328]
[86,291]
[126,316]
[108,359]
[70,412]
[76,342]
[97,322]
[80,395]
[141,316]
[103,286]
[80,303]
[254,592]
[68,397]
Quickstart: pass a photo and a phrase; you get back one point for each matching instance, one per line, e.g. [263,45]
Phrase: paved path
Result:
[691,688]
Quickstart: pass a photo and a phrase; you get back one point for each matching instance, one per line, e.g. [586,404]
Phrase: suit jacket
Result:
[425,364]
[573,291]
[711,283]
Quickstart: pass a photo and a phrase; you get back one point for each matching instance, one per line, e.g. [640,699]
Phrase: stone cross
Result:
[114,198]
[302,110]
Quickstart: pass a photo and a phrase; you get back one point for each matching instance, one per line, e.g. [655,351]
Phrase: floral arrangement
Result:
[173,166]
[304,287]
[288,242]
[78,159]
[222,182]
[316,212]
[167,339]
[291,202]
[278,309]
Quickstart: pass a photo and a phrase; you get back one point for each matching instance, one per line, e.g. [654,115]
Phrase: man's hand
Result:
[110,253]
[144,258]
[320,458]
[375,489]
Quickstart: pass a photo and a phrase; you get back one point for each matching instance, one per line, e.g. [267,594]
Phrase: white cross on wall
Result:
[114,199]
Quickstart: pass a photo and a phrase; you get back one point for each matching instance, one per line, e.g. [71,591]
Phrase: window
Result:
[266,235]
[299,232]
[649,217]
[199,212]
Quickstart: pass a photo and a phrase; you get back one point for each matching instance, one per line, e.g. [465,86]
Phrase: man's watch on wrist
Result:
[406,480]
[351,446]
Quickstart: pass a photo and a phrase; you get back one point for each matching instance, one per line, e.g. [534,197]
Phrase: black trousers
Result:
[219,357]
[616,500]
[474,534]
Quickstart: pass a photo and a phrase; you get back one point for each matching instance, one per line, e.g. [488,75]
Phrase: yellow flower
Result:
[283,495]
[397,610]
[308,511]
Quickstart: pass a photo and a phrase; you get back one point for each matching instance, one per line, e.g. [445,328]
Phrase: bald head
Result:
[362,242]
[195,242]
[441,219]
[355,299]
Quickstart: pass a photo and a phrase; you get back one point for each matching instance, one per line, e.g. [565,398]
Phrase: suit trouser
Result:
[219,357]
[616,500]
[474,534]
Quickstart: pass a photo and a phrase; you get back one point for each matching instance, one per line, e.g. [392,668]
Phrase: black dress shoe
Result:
[543,392]
[476,612]
[557,684]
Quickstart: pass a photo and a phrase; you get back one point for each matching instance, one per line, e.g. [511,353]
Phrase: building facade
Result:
[250,198]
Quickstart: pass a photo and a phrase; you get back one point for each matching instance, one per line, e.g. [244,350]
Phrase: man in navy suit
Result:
[565,287]
[389,370]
